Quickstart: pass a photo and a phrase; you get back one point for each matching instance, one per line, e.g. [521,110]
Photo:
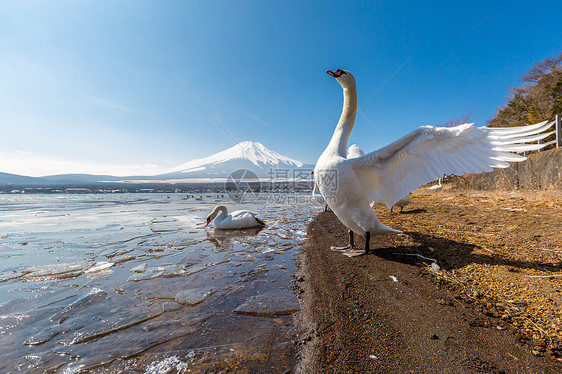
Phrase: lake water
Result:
[134,283]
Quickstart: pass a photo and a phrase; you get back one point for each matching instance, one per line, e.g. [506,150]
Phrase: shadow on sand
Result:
[449,254]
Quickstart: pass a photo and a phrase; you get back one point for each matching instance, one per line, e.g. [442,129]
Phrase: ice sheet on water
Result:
[108,325]
[139,268]
[85,301]
[194,296]
[101,266]
[150,273]
[47,334]
[129,343]
[270,304]
[13,322]
[94,296]
[166,271]
[55,271]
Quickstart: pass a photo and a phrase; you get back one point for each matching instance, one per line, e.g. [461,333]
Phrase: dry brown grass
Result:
[500,250]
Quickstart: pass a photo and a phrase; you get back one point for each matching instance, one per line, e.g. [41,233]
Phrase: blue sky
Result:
[80,91]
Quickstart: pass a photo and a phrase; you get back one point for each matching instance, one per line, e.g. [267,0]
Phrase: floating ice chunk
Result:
[100,266]
[173,271]
[193,296]
[270,304]
[394,279]
[94,296]
[139,268]
[150,273]
[118,260]
[47,334]
[55,271]
[109,325]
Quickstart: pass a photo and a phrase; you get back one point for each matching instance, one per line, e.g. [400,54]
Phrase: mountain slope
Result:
[254,156]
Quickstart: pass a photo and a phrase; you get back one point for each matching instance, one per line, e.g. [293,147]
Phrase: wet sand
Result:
[493,306]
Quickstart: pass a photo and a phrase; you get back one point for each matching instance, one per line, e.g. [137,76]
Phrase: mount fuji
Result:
[254,156]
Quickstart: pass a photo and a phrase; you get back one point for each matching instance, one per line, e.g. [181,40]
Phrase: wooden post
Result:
[558,128]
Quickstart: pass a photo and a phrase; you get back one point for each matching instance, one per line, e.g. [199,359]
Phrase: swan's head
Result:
[214,213]
[344,78]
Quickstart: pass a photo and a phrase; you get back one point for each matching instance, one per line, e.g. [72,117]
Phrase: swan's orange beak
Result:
[208,221]
[336,74]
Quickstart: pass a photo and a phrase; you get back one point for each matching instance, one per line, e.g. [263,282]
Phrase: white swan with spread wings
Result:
[349,185]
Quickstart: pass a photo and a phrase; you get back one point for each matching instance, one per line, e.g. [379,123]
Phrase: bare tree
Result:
[541,69]
[456,121]
[538,99]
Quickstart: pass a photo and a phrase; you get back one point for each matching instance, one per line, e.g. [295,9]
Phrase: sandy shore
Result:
[494,306]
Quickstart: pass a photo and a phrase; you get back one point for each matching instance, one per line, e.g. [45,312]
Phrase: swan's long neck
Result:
[219,213]
[338,144]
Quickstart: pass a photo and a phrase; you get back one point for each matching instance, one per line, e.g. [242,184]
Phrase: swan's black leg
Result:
[401,209]
[348,247]
[367,241]
[391,209]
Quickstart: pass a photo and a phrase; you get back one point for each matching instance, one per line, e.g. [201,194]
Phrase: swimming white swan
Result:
[402,203]
[436,186]
[350,185]
[240,219]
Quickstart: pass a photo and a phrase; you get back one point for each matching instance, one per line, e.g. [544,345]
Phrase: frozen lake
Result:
[131,282]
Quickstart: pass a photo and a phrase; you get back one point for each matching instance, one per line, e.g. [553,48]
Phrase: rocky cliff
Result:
[541,171]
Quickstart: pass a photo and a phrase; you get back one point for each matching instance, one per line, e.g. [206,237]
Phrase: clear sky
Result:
[80,90]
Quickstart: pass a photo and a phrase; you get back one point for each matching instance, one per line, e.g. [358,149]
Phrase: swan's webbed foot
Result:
[354,252]
[347,248]
[342,249]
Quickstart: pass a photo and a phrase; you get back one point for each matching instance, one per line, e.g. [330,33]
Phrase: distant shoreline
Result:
[220,187]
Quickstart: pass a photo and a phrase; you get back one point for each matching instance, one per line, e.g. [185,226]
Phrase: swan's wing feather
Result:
[354,152]
[239,219]
[430,152]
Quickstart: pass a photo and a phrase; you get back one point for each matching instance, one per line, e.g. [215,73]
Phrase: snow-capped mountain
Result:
[254,156]
[262,161]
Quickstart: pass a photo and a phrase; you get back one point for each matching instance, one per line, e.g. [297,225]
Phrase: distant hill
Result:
[14,179]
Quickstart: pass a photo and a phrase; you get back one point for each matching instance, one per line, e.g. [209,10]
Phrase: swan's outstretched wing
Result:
[429,152]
